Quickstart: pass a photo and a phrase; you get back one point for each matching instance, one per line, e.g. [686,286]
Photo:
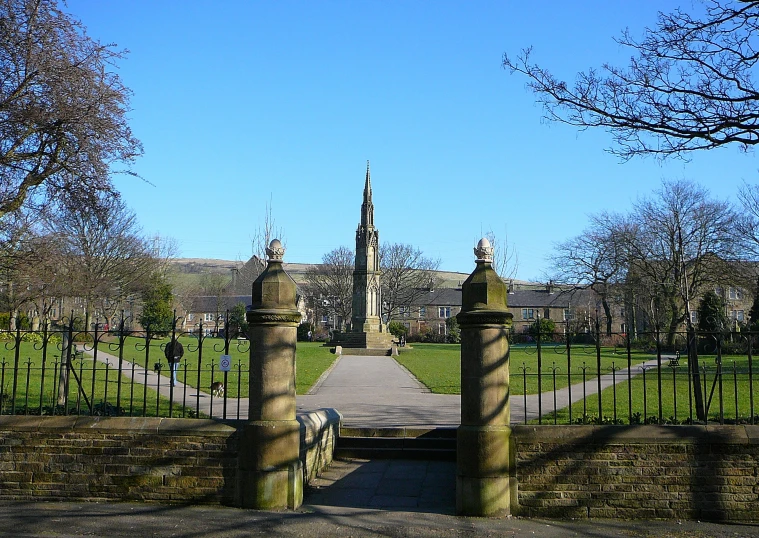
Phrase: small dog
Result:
[217,389]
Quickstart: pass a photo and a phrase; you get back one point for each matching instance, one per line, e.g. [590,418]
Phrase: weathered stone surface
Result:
[270,471]
[637,472]
[485,480]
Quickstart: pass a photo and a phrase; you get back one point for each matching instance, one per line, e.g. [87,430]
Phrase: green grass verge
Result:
[731,399]
[438,366]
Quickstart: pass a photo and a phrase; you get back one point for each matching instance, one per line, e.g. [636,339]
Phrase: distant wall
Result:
[688,472]
[147,459]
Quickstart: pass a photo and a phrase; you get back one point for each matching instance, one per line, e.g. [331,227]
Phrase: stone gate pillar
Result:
[271,476]
[485,467]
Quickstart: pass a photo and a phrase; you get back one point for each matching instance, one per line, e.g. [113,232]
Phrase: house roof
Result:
[211,303]
[441,296]
[535,298]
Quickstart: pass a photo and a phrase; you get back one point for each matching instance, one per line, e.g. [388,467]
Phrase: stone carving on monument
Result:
[367,330]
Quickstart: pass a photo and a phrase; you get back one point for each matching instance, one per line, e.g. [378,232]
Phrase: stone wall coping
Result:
[642,434]
[314,422]
[169,426]
[397,431]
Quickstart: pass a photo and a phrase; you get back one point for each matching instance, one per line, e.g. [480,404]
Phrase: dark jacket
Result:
[174,351]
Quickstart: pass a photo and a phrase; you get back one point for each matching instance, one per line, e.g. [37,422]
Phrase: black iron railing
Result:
[653,378]
[101,370]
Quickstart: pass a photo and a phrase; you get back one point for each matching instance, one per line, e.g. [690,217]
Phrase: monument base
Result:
[364,343]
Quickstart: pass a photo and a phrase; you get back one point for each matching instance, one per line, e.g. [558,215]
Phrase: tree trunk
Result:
[607,312]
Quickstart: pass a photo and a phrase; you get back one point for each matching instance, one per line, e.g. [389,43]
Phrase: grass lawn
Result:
[36,387]
[200,367]
[734,397]
[438,366]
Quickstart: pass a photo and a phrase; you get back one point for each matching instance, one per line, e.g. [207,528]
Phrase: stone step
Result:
[397,443]
[366,352]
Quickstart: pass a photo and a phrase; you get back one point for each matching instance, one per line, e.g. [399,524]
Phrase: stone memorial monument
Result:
[367,330]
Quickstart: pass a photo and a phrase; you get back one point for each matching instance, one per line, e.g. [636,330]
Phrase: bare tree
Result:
[249,271]
[748,223]
[505,257]
[678,244]
[331,283]
[63,124]
[105,256]
[594,259]
[689,86]
[406,275]
[39,277]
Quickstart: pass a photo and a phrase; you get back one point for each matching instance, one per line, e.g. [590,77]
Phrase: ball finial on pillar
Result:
[483,251]
[275,252]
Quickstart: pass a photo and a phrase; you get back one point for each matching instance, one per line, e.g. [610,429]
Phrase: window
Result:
[736,315]
[208,317]
[694,317]
[403,311]
[190,316]
[528,313]
[567,314]
[735,293]
[325,318]
[422,311]
[622,328]
[719,291]
[444,312]
[441,328]
[547,313]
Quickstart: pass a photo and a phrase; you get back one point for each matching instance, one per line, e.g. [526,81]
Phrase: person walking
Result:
[174,352]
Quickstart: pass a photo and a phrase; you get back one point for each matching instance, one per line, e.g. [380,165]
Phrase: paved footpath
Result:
[130,520]
[379,392]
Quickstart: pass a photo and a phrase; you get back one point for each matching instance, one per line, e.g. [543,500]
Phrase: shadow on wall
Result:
[689,472]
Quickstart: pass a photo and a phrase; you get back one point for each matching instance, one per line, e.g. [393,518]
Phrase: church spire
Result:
[367,208]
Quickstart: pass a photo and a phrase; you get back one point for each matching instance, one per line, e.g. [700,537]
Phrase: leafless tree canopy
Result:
[678,243]
[689,86]
[331,283]
[505,257]
[63,110]
[102,252]
[594,259]
[406,275]
[249,271]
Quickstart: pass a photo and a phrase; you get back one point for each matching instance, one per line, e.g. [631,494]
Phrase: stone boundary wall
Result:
[636,472]
[137,459]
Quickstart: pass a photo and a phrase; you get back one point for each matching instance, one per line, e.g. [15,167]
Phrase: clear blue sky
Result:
[241,102]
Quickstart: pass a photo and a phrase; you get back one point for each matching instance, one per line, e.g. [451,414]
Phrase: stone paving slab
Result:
[129,520]
[386,484]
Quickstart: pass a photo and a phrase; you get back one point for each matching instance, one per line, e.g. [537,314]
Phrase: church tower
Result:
[366,274]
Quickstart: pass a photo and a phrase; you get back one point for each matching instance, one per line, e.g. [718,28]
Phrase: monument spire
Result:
[367,207]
